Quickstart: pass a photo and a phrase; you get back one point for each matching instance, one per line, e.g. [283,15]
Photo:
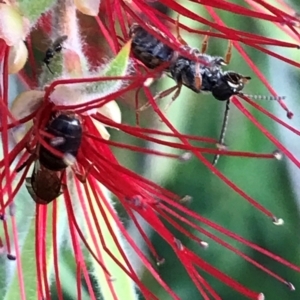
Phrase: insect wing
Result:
[30,188]
[57,43]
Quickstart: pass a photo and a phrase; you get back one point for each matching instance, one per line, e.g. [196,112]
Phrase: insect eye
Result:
[222,62]
[233,78]
[223,90]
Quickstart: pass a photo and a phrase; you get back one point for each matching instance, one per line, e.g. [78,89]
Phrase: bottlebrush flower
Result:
[108,258]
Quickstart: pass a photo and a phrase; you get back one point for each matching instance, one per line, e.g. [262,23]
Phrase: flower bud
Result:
[17,58]
[13,27]
[112,111]
[23,105]
[88,7]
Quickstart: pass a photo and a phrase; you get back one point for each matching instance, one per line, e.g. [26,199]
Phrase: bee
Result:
[45,183]
[53,50]
[203,74]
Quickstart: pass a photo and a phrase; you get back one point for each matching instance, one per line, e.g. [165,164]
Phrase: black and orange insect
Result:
[204,74]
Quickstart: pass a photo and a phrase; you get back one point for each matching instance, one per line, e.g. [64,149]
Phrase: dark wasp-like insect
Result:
[64,134]
[203,74]
[53,50]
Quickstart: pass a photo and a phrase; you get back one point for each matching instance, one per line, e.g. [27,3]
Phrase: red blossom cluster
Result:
[137,195]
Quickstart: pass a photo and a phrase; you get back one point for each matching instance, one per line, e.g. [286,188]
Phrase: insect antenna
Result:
[263,97]
[49,68]
[221,144]
[23,165]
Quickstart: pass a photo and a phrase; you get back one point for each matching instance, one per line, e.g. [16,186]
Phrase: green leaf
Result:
[116,67]
[33,9]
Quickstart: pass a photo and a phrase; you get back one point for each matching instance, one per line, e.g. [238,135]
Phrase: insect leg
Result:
[49,68]
[175,96]
[179,37]
[161,95]
[82,176]
[198,77]
[204,44]
[28,161]
[228,53]
[221,144]
[22,166]
[28,184]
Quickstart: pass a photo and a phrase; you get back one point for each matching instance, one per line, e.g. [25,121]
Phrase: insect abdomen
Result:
[44,185]
[148,49]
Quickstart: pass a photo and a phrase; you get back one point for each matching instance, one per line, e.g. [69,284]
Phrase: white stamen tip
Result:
[261,296]
[222,146]
[160,261]
[290,286]
[178,244]
[186,199]
[148,82]
[203,244]
[278,222]
[277,154]
[186,156]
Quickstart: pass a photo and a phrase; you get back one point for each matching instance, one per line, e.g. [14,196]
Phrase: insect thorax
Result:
[184,70]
